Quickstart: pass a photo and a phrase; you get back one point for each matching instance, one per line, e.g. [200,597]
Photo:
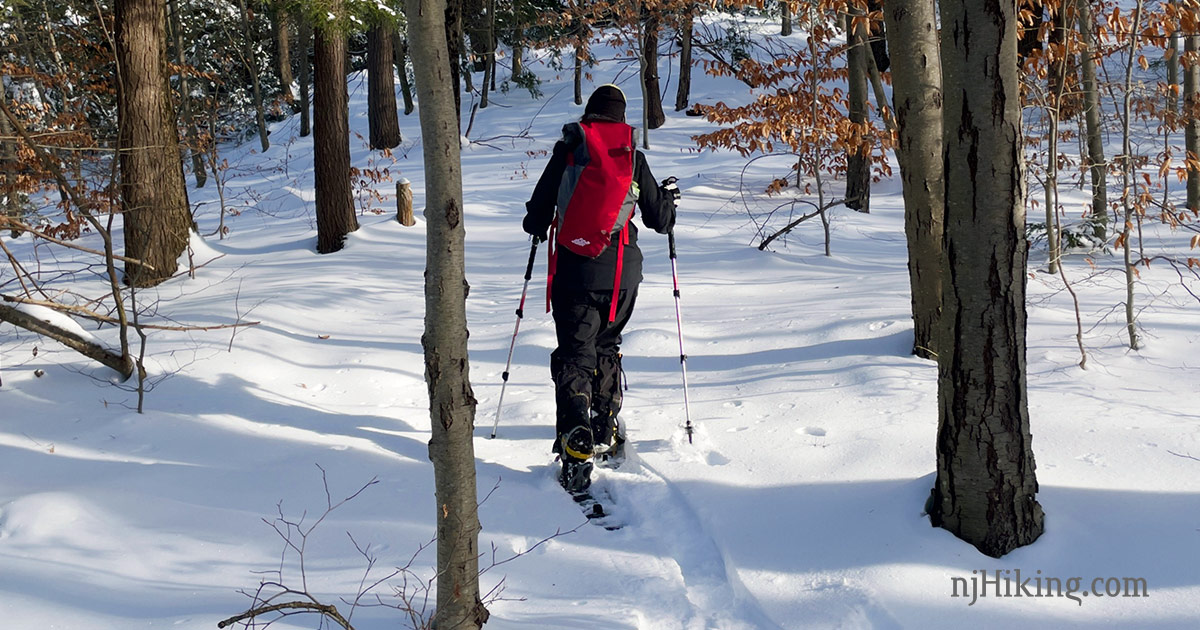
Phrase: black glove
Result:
[531,227]
[668,187]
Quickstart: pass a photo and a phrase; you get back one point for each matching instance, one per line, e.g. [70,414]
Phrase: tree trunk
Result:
[578,84]
[785,23]
[1091,111]
[185,99]
[1191,106]
[451,401]
[985,488]
[331,137]
[305,80]
[1171,60]
[13,202]
[917,96]
[858,158]
[154,201]
[489,65]
[283,49]
[1128,173]
[655,117]
[453,28]
[400,50]
[251,61]
[517,61]
[683,92]
[381,89]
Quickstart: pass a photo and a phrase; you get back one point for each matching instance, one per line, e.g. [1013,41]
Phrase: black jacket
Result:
[575,272]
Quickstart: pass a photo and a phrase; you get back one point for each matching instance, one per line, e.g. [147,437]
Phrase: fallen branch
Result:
[325,609]
[105,319]
[119,362]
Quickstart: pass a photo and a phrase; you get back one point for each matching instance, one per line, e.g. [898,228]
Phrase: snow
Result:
[799,504]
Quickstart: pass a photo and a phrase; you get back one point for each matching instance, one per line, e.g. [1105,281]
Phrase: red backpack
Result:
[597,195]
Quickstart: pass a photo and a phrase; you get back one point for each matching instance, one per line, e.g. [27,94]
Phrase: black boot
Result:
[574,450]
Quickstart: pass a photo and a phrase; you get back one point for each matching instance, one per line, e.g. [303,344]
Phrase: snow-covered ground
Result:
[799,505]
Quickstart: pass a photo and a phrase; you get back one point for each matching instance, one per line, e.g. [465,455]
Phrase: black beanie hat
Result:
[607,103]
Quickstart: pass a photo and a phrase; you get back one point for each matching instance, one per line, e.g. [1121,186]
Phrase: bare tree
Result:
[250,60]
[185,98]
[985,490]
[917,96]
[451,401]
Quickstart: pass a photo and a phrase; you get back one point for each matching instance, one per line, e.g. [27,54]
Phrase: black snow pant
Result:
[586,366]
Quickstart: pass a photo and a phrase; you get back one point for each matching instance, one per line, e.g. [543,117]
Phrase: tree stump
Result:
[404,209]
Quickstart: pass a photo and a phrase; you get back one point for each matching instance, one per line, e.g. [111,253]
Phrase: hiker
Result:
[585,199]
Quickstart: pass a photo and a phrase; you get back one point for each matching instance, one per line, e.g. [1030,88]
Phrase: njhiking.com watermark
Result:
[1006,583]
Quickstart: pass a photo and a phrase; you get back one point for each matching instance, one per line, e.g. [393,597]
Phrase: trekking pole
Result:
[679,325]
[520,315]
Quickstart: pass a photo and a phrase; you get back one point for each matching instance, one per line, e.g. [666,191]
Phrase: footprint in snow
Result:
[814,431]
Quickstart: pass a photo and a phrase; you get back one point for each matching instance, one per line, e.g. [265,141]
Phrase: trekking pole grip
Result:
[671,242]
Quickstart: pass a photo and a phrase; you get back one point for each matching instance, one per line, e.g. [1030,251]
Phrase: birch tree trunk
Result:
[451,401]
[985,488]
[154,200]
[331,136]
[917,103]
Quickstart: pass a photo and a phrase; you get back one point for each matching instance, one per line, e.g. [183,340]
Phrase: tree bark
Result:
[785,22]
[517,61]
[683,92]
[917,95]
[331,137]
[451,401]
[453,26]
[1191,118]
[655,117]
[1096,164]
[157,217]
[400,50]
[985,490]
[283,49]
[384,128]
[305,36]
[858,158]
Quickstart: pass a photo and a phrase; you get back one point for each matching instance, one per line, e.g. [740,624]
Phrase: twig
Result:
[324,609]
[8,223]
[819,212]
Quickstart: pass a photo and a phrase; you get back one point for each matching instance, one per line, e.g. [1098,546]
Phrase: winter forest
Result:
[921,349]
